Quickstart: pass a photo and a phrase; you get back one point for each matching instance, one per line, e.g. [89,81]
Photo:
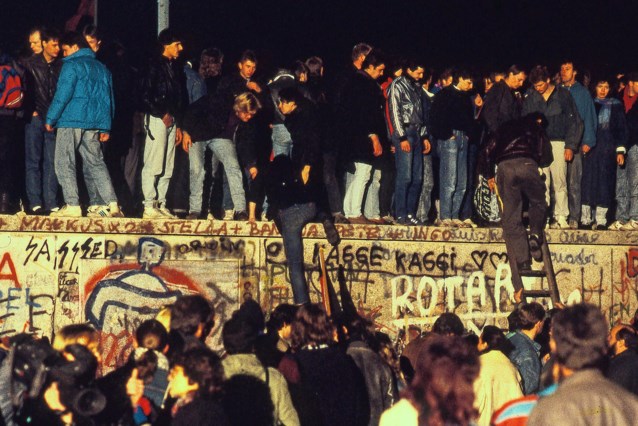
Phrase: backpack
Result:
[11,89]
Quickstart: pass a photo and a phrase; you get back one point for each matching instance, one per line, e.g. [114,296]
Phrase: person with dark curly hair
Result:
[332,389]
[448,324]
[196,381]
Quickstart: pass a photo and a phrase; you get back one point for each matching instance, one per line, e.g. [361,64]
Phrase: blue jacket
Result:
[525,357]
[195,85]
[84,95]
[585,107]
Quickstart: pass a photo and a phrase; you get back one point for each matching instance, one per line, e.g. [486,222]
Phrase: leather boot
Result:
[5,204]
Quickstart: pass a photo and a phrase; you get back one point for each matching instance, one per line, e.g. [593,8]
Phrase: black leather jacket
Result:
[42,80]
[501,105]
[522,138]
[379,379]
[164,89]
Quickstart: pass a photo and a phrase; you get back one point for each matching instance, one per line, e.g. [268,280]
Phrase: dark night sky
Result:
[485,34]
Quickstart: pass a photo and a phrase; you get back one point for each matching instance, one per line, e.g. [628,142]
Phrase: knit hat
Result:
[167,37]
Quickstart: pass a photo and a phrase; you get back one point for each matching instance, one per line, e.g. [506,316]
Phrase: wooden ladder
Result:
[546,272]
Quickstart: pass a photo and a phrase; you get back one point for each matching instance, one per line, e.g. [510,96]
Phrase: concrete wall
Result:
[115,273]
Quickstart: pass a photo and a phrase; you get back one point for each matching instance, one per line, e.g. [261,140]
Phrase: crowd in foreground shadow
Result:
[304,367]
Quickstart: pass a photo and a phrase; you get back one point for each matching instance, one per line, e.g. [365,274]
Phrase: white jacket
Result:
[498,382]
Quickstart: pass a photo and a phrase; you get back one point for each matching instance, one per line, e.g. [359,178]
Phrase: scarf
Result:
[604,114]
[629,101]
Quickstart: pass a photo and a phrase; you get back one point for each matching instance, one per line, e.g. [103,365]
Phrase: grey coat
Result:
[586,398]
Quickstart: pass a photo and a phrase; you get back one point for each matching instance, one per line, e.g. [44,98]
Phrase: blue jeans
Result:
[227,200]
[224,150]
[91,186]
[425,201]
[86,142]
[281,140]
[452,174]
[39,147]
[627,187]
[409,175]
[292,221]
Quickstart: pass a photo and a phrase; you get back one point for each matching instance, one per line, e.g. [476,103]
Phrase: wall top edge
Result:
[36,224]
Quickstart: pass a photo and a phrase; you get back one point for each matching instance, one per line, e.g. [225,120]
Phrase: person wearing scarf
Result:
[599,164]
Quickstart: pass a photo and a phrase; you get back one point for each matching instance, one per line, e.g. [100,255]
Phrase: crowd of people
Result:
[376,142]
[305,367]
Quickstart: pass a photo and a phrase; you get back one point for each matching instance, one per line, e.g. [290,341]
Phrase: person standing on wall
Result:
[164,98]
[82,112]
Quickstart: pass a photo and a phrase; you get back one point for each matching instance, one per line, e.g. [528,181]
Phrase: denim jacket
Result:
[195,86]
[526,358]
[585,106]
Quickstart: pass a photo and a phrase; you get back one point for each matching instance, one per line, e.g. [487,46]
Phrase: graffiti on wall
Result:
[118,297]
[397,284]
[114,276]
[27,301]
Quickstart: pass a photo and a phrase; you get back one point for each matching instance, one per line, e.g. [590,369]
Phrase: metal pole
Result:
[95,8]
[163,10]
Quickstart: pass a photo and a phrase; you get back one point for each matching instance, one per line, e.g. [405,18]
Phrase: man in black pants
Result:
[520,148]
[294,186]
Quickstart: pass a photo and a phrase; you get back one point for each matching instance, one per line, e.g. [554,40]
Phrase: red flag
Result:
[323,280]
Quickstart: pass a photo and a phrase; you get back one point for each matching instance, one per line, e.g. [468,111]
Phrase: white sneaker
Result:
[616,226]
[67,211]
[632,225]
[98,211]
[115,210]
[561,223]
[153,213]
[229,215]
[166,213]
